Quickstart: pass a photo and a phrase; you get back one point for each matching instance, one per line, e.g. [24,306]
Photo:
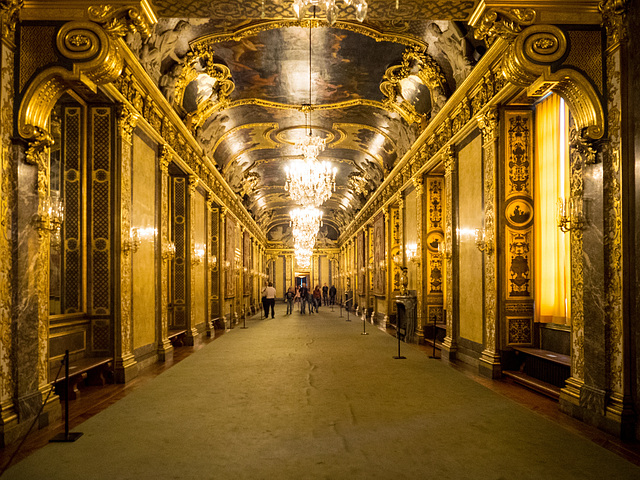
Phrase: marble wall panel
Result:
[593,268]
[199,295]
[471,212]
[411,222]
[143,217]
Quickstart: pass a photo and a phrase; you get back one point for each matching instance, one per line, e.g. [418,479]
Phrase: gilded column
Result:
[421,259]
[449,344]
[126,367]
[490,358]
[165,349]
[8,418]
[192,321]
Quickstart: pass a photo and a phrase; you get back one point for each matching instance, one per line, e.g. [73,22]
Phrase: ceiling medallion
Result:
[300,6]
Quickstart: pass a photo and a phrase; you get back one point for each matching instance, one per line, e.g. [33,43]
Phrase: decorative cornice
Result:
[126,120]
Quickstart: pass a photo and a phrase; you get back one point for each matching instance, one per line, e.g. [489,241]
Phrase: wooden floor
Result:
[93,400]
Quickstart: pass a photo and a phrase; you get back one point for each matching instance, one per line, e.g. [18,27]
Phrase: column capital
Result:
[488,123]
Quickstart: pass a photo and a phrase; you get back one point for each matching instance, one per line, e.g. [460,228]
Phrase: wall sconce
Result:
[484,242]
[132,243]
[168,249]
[382,265]
[397,259]
[50,215]
[198,255]
[443,250]
[213,263]
[411,251]
[570,216]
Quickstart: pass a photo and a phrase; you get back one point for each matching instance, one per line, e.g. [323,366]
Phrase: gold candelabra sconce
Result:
[213,263]
[133,241]
[168,249]
[484,241]
[570,215]
[411,251]
[382,265]
[199,253]
[443,250]
[50,215]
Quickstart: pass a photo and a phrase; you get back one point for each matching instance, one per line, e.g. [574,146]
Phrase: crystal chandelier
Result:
[300,6]
[310,182]
[305,222]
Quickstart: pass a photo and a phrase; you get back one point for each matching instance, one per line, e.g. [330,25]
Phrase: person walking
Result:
[317,297]
[325,295]
[289,296]
[269,293]
[332,295]
[304,292]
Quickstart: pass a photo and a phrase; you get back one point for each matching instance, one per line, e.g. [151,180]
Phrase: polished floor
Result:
[349,387]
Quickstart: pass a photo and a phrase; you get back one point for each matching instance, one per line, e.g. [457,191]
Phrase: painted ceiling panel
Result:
[241,82]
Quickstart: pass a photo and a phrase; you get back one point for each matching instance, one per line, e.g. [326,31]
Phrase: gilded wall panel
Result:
[230,256]
[518,155]
[361,262]
[519,257]
[198,256]
[214,268]
[246,262]
[379,255]
[143,220]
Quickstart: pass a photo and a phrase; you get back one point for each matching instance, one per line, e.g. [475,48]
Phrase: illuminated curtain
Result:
[552,246]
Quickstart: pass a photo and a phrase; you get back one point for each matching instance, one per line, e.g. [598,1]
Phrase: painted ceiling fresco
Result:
[241,83]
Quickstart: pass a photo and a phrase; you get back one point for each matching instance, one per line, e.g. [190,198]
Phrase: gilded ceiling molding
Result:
[118,21]
[96,60]
[501,22]
[614,20]
[255,29]
[528,63]
[9,16]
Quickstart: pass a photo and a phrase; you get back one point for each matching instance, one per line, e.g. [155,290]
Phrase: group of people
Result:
[314,299]
[302,295]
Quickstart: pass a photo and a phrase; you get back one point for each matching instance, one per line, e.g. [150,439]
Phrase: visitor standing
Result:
[332,295]
[290,295]
[317,297]
[325,295]
[270,294]
[304,292]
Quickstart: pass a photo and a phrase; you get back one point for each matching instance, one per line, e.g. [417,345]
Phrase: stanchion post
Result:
[66,436]
[364,324]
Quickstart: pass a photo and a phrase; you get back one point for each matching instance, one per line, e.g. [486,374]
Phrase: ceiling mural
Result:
[241,84]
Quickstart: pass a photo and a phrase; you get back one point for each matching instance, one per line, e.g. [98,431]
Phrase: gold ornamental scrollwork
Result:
[614,13]
[503,23]
[96,61]
[528,63]
[9,16]
[117,22]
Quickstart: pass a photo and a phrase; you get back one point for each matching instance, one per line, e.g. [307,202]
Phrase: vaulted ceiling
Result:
[238,73]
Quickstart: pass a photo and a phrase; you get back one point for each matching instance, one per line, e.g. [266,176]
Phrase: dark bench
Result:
[177,337]
[541,370]
[91,370]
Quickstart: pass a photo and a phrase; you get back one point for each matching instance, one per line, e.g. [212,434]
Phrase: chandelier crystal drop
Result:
[330,7]
[310,182]
[311,146]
